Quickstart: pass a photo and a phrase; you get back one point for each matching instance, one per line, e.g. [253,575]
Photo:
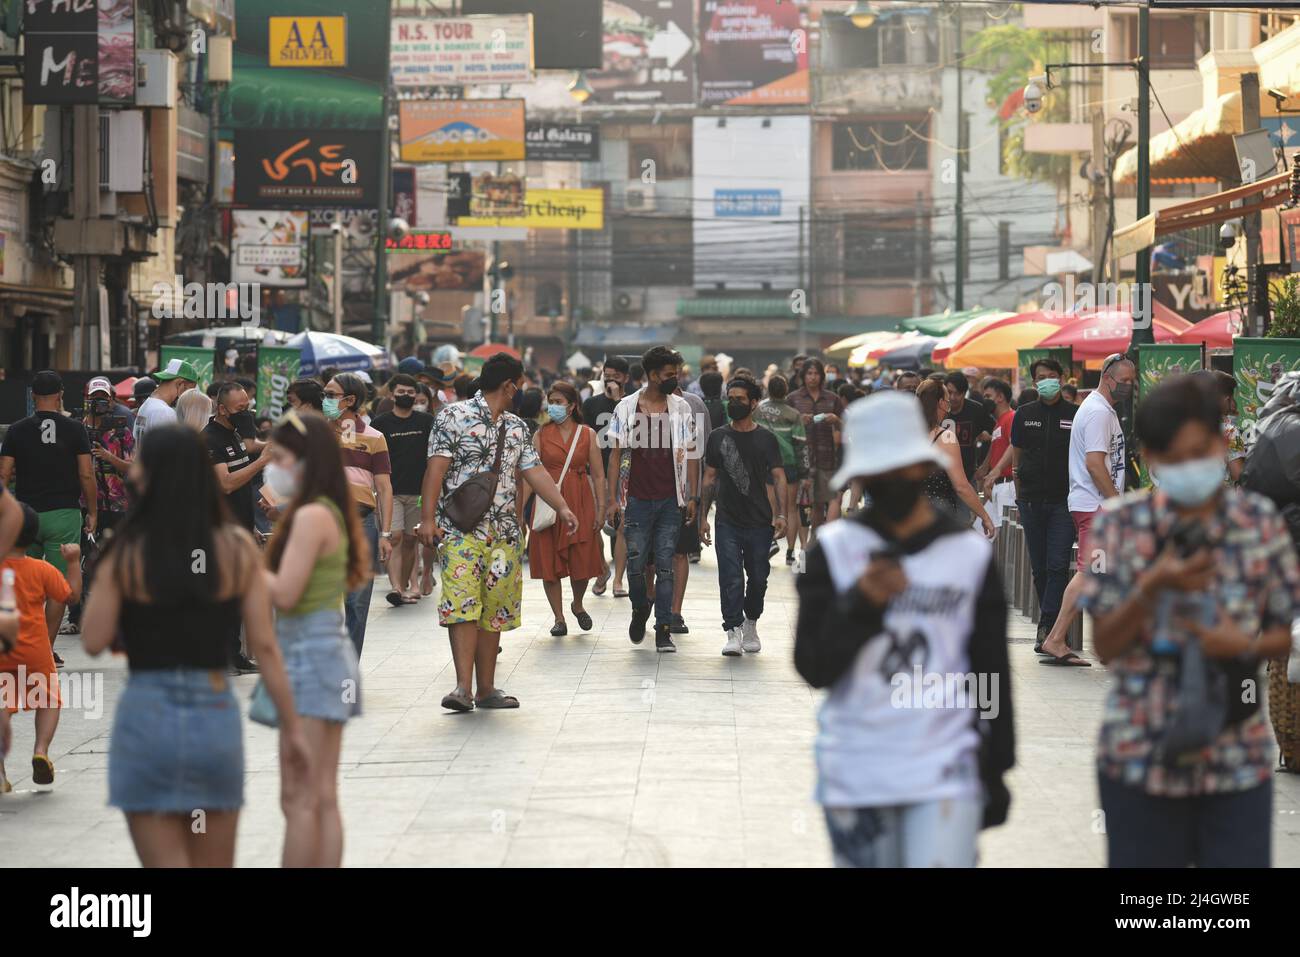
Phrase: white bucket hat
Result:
[883,432]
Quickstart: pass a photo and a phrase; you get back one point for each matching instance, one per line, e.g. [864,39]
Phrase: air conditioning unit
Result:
[629,300]
[639,197]
[121,151]
[155,78]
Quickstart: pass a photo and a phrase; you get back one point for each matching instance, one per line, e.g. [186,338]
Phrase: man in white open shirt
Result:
[1097,462]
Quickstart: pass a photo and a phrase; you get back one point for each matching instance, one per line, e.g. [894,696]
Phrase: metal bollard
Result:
[1018,560]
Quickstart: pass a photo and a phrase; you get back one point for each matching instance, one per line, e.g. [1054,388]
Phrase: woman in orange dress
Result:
[553,553]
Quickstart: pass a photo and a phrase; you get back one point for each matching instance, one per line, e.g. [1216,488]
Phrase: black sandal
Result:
[394,598]
[584,619]
[559,630]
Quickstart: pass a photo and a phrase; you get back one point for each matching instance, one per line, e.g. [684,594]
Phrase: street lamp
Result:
[860,14]
[579,88]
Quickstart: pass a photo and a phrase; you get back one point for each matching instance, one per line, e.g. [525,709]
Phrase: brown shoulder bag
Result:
[470,501]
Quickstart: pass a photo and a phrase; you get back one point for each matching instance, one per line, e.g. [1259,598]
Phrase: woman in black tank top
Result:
[170,586]
[947,487]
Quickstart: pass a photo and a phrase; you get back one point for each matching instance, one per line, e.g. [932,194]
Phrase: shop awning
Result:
[605,336]
[40,298]
[1199,146]
[727,307]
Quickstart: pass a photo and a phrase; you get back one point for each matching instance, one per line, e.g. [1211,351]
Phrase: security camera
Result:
[422,298]
[1278,96]
[336,227]
[1228,235]
[398,227]
[1033,97]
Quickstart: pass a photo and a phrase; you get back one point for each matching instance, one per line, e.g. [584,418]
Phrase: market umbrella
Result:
[912,355]
[968,329]
[322,349]
[858,357]
[1217,332]
[489,349]
[941,323]
[1095,335]
[997,345]
[899,340]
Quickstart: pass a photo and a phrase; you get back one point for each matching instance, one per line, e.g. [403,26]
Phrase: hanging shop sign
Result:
[307,41]
[79,52]
[429,51]
[450,131]
[295,168]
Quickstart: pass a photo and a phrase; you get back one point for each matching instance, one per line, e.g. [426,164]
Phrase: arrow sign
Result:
[670,44]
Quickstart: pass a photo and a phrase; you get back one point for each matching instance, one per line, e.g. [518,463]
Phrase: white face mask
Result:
[421,407]
[284,482]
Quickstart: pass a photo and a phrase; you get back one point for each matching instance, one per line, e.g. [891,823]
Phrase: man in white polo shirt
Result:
[158,410]
[1097,462]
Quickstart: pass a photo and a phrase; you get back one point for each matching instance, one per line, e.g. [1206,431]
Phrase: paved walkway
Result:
[619,756]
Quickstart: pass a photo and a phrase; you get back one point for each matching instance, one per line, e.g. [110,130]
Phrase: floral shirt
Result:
[1258,587]
[465,433]
[109,482]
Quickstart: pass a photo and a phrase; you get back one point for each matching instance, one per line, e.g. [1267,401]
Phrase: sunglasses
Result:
[291,418]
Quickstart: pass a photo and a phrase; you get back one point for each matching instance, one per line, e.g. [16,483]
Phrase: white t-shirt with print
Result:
[154,413]
[1096,429]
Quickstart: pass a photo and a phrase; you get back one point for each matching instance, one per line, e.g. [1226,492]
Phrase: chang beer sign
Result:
[202,360]
[1257,364]
[1157,362]
[1027,357]
[277,367]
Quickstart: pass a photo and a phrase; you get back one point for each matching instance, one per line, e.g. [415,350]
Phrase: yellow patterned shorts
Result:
[482,582]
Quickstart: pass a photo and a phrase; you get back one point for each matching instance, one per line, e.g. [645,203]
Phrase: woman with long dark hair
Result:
[948,485]
[317,555]
[174,581]
[571,454]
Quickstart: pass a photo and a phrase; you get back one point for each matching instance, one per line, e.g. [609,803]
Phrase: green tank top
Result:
[329,579]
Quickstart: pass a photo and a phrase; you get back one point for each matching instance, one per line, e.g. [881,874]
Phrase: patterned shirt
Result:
[109,482]
[629,428]
[821,435]
[465,433]
[784,421]
[1258,588]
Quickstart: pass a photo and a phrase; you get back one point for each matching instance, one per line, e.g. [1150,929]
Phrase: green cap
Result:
[177,369]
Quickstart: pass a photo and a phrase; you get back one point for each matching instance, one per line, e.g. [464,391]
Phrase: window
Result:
[886,247]
[880,145]
[671,158]
[1177,42]
[652,251]
[893,40]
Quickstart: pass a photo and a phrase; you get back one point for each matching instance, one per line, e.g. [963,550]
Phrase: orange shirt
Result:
[35,580]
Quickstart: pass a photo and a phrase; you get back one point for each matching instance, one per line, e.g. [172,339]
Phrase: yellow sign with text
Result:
[553,209]
[308,41]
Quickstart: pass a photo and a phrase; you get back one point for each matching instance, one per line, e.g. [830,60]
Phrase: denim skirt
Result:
[321,663]
[178,745]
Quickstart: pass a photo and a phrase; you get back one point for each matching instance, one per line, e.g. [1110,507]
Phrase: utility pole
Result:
[959,284]
[1098,170]
[918,279]
[379,328]
[85,205]
[802,311]
[1143,330]
[338,281]
[1257,272]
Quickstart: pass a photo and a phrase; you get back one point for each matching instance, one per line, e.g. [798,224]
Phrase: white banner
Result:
[269,247]
[436,51]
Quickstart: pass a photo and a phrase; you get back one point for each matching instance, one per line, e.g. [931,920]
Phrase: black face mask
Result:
[737,410]
[668,386]
[243,422]
[99,407]
[404,401]
[893,497]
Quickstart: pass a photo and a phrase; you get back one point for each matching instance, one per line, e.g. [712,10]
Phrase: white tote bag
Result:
[543,514]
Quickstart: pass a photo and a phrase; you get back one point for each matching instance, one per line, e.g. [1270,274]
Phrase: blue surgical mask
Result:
[330,406]
[1191,483]
[1048,388]
[557,412]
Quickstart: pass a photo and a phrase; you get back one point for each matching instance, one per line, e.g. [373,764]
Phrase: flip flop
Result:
[42,769]
[599,587]
[498,699]
[394,598]
[458,701]
[620,593]
[584,619]
[559,630]
[1067,660]
[410,599]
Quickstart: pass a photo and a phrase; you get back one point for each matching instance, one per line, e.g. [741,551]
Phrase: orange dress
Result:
[553,553]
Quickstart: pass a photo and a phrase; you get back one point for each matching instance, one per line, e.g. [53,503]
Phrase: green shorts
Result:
[60,526]
[482,582]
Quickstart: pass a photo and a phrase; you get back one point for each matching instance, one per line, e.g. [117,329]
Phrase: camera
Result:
[1033,97]
[336,227]
[1228,235]
[398,227]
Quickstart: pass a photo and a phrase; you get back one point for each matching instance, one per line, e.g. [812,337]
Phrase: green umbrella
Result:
[941,323]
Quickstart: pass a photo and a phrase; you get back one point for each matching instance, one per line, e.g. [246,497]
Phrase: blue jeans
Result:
[650,527]
[742,554]
[1232,829]
[1049,536]
[356,606]
[931,834]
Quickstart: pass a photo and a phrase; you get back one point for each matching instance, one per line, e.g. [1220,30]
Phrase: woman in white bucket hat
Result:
[903,618]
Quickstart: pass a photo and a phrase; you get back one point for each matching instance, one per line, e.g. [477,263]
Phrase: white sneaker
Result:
[749,637]
[732,649]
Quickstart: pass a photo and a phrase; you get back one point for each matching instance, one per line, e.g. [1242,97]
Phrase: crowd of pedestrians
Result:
[201,541]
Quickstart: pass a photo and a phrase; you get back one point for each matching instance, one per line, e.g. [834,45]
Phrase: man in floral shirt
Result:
[1194,561]
[482,581]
